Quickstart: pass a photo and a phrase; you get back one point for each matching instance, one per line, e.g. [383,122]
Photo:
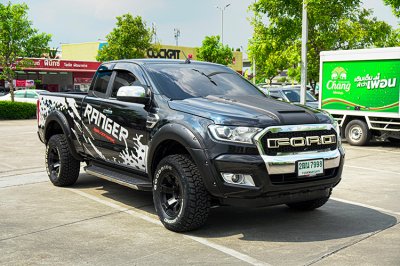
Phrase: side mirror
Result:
[133,94]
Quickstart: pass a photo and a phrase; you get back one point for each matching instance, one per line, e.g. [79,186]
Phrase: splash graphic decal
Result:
[103,126]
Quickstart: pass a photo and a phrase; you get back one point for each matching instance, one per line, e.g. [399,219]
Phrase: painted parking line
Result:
[203,241]
[367,206]
[372,169]
[369,149]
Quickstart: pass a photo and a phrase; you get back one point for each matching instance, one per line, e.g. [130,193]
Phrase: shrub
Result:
[17,110]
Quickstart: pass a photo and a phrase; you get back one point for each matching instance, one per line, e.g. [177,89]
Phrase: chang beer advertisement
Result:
[361,85]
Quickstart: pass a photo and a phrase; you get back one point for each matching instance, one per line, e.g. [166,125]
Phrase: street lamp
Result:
[222,19]
[177,34]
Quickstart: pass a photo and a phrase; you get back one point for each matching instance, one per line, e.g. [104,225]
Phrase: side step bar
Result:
[131,181]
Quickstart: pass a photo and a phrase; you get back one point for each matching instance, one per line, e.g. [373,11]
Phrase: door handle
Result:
[107,111]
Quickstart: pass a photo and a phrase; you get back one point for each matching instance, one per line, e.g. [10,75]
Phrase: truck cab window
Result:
[123,78]
[101,83]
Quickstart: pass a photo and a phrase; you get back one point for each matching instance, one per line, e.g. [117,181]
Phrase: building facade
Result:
[55,75]
[89,50]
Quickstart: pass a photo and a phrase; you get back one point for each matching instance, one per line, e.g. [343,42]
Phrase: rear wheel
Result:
[357,133]
[180,197]
[62,167]
[308,205]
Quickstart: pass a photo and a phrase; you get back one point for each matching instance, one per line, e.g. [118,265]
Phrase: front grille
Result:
[293,134]
[281,179]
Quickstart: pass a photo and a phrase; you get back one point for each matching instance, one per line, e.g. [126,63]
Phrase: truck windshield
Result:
[182,81]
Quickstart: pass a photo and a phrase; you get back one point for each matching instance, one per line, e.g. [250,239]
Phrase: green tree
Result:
[395,5]
[18,39]
[212,50]
[333,25]
[129,39]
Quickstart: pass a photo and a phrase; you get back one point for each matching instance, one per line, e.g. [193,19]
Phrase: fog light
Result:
[238,179]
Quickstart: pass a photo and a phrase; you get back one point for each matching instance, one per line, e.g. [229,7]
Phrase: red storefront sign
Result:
[63,65]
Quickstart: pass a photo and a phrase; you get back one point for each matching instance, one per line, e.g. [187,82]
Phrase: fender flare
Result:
[59,118]
[194,145]
[176,132]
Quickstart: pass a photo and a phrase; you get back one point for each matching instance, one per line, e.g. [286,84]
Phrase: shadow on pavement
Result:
[335,220]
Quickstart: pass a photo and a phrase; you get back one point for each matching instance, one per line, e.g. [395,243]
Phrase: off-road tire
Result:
[357,133]
[309,205]
[68,167]
[188,186]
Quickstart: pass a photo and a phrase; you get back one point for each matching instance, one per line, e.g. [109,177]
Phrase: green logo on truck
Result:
[338,81]
[361,85]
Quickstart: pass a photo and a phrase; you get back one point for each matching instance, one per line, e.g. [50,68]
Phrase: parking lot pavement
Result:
[21,151]
[98,222]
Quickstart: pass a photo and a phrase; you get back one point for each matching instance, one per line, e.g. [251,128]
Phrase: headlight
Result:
[234,134]
[335,124]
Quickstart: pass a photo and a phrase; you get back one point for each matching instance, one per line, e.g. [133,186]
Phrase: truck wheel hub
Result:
[54,161]
[171,195]
[356,133]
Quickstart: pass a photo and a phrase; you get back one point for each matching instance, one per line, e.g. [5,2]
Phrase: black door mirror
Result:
[133,94]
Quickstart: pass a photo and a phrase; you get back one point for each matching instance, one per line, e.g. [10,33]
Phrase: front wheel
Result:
[62,167]
[180,197]
[357,133]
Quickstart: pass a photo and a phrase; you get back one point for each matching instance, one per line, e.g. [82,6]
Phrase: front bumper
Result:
[275,177]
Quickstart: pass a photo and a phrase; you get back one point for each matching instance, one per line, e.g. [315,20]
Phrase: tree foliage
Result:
[395,5]
[333,25]
[18,39]
[212,50]
[129,39]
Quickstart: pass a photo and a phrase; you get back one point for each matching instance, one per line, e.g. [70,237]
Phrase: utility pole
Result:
[177,34]
[304,40]
[222,21]
[254,70]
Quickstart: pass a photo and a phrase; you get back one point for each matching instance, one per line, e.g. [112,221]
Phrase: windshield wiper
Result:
[208,76]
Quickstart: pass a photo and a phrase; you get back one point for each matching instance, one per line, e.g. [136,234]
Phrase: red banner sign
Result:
[63,65]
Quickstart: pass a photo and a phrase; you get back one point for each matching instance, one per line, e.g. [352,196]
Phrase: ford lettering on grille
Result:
[301,141]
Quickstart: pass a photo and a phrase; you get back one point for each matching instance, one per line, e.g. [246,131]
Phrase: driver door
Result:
[127,143]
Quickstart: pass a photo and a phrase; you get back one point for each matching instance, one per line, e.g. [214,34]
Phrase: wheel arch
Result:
[178,138]
[57,123]
[170,138]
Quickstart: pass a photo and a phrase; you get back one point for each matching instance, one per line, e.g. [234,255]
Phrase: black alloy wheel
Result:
[62,167]
[54,163]
[171,194]
[180,198]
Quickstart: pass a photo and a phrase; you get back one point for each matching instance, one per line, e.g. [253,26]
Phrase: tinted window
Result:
[19,94]
[101,83]
[123,78]
[294,95]
[31,94]
[182,81]
[275,94]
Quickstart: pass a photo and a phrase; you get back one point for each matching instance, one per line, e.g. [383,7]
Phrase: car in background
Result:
[290,94]
[3,91]
[27,96]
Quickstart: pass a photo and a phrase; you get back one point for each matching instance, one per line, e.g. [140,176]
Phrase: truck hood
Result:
[248,111]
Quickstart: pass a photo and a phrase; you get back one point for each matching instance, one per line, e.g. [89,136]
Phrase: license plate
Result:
[310,168]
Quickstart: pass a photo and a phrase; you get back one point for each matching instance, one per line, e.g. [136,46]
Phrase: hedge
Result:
[17,110]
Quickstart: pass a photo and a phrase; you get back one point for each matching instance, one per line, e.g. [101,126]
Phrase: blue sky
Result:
[73,21]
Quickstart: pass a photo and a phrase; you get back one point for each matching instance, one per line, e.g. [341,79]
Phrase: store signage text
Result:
[164,53]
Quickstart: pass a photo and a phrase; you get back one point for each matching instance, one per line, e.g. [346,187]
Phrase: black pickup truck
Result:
[195,134]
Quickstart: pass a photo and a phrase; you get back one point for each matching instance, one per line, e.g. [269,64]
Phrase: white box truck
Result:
[360,89]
